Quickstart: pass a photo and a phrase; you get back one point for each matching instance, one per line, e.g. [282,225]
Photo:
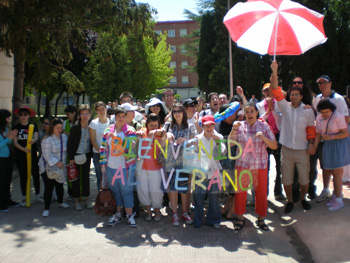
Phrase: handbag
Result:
[54,172]
[72,173]
[105,204]
[80,159]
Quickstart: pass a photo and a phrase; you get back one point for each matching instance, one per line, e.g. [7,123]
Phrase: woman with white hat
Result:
[158,107]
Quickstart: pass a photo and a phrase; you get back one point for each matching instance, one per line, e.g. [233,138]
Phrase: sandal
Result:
[261,224]
[239,227]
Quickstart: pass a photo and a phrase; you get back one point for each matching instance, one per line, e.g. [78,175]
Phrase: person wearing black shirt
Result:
[21,151]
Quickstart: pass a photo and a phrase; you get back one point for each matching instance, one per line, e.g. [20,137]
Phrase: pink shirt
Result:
[258,158]
[336,123]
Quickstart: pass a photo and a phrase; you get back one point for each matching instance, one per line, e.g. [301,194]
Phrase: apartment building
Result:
[183,82]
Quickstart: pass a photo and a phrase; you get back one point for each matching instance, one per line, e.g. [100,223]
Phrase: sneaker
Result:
[216,226]
[12,203]
[4,208]
[131,220]
[176,220]
[39,199]
[46,213]
[23,203]
[77,207]
[114,219]
[185,217]
[331,200]
[326,193]
[289,207]
[148,218]
[88,205]
[336,205]
[305,205]
[157,219]
[280,197]
[311,195]
[63,205]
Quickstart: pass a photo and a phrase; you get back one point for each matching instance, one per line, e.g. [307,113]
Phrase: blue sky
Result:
[170,10]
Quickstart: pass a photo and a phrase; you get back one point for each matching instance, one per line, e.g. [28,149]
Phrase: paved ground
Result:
[70,236]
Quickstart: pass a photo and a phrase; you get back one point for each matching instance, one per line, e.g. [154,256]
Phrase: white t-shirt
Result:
[115,162]
[99,128]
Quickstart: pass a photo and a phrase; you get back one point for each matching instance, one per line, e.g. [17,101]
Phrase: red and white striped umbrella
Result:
[275,27]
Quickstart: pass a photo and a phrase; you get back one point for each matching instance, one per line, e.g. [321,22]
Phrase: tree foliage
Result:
[136,62]
[251,70]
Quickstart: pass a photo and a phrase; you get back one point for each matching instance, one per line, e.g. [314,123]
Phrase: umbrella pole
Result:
[277,21]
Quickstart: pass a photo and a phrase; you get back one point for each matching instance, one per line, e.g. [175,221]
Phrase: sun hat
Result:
[153,102]
[31,112]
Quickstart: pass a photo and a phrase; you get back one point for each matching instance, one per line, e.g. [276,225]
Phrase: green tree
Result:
[134,62]
[42,32]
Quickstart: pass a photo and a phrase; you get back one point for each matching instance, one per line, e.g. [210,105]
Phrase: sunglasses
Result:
[297,82]
[23,114]
[191,106]
[177,111]
[46,123]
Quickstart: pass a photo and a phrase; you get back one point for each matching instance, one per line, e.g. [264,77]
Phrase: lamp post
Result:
[230,56]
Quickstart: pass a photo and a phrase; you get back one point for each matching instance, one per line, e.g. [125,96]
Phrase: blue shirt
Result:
[4,144]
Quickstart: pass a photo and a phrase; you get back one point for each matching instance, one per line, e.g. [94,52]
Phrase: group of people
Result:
[153,155]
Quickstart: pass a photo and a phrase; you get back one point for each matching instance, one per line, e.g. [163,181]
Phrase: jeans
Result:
[214,214]
[122,190]
[96,161]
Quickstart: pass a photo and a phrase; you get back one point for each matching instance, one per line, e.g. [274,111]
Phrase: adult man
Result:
[297,137]
[214,105]
[268,111]
[126,97]
[253,99]
[168,99]
[325,86]
[223,99]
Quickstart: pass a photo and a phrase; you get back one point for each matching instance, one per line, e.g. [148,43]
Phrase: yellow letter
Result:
[229,141]
[200,149]
[197,182]
[224,175]
[161,149]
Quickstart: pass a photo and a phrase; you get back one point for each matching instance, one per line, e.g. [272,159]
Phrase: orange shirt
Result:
[150,164]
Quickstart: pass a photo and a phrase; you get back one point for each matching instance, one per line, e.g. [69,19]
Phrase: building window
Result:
[183,49]
[184,80]
[183,32]
[184,64]
[158,32]
[173,48]
[171,33]
[172,64]
[173,81]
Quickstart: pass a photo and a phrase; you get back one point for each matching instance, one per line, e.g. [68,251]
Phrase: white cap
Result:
[128,107]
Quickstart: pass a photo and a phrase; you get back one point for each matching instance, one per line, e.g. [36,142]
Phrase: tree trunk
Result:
[48,106]
[78,96]
[58,98]
[19,73]
[39,102]
[84,98]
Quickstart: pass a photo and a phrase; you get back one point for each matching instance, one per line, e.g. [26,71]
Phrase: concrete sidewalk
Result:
[70,236]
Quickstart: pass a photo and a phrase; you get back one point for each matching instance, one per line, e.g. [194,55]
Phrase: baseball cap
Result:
[189,102]
[208,119]
[128,107]
[325,77]
[266,86]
